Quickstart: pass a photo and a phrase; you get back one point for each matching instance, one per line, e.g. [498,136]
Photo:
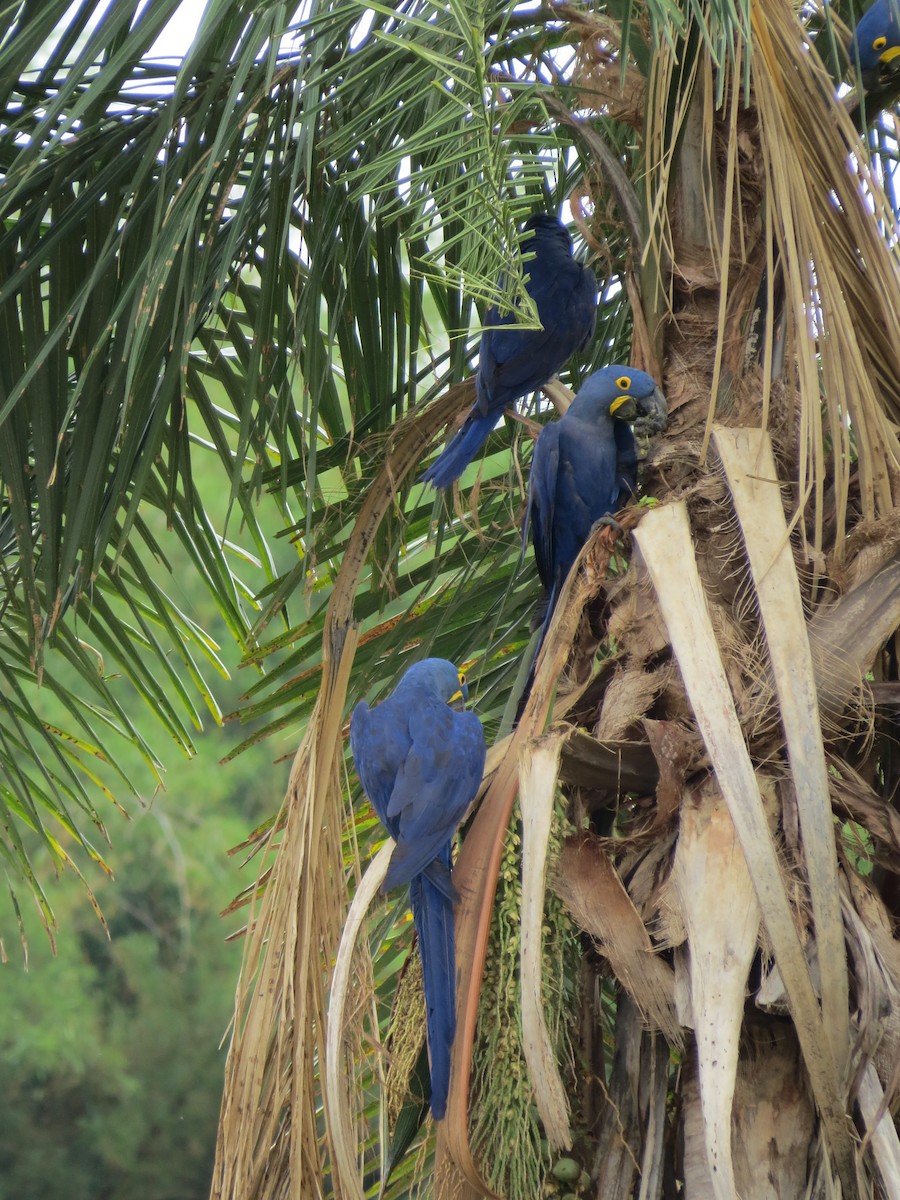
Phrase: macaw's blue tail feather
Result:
[433,915]
[462,449]
[438,872]
[545,625]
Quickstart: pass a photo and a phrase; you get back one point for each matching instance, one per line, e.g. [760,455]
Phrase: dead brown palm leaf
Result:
[840,270]
[268,1133]
[590,887]
[665,544]
[476,869]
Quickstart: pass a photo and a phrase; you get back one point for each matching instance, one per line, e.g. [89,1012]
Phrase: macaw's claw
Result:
[607,522]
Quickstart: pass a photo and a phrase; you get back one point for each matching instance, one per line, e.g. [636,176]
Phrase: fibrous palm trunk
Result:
[757,605]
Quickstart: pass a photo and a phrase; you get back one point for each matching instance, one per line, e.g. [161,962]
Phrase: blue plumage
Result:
[584,468]
[513,361]
[420,759]
[876,40]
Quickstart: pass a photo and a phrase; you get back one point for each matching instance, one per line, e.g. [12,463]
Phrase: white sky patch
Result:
[363,28]
[172,44]
[175,40]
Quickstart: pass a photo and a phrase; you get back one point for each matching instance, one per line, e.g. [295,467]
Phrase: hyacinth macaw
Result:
[876,41]
[584,468]
[420,758]
[512,361]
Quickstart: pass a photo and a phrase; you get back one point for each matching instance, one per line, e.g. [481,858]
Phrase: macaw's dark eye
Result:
[462,679]
[623,382]
[879,43]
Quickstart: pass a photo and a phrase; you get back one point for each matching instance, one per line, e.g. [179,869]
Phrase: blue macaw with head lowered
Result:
[584,468]
[420,758]
[876,40]
[513,361]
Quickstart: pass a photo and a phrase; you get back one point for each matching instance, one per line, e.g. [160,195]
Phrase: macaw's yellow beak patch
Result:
[618,402]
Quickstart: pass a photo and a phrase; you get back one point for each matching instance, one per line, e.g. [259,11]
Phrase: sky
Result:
[177,36]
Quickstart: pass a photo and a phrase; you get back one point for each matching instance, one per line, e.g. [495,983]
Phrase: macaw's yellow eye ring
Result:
[623,382]
[879,43]
[462,679]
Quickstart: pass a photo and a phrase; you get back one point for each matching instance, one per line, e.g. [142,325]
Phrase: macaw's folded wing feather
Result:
[539,510]
[433,787]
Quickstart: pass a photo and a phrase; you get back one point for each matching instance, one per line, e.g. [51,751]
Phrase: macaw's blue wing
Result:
[539,512]
[512,361]
[378,742]
[433,787]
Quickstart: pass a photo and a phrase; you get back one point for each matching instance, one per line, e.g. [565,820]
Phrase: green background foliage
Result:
[111,1049]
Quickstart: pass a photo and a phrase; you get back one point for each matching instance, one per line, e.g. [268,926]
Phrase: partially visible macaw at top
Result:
[584,468]
[876,40]
[420,758]
[514,361]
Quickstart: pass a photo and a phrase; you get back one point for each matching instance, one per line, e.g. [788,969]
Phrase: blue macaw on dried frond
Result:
[876,42]
[584,469]
[420,758]
[512,361]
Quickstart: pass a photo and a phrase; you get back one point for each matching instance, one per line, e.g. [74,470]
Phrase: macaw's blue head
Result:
[624,393]
[546,228]
[436,678]
[876,42]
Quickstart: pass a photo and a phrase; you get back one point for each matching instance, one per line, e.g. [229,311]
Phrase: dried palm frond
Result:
[269,1134]
[664,541]
[592,891]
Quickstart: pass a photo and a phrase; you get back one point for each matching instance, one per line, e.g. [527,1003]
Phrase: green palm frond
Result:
[270,255]
[198,259]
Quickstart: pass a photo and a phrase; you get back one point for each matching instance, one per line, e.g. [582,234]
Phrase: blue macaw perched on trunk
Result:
[584,468]
[876,41]
[420,758]
[514,361]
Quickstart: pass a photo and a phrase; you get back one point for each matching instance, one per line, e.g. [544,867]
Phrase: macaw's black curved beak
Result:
[653,414]
[652,417]
[885,72]
[624,408]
